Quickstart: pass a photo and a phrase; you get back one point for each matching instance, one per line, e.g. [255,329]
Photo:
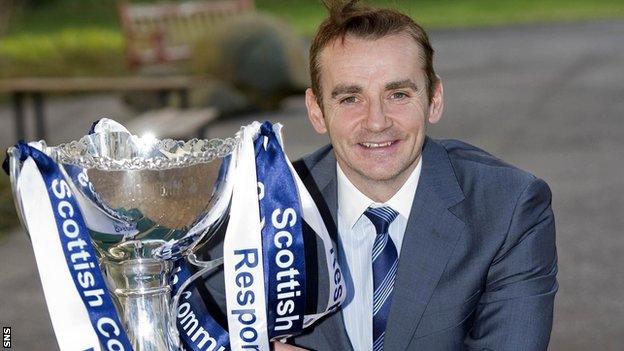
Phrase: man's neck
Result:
[378,190]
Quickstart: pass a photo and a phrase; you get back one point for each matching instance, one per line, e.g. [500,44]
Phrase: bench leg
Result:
[18,113]
[184,98]
[163,98]
[39,116]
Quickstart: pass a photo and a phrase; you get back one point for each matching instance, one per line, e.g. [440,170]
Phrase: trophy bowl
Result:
[146,203]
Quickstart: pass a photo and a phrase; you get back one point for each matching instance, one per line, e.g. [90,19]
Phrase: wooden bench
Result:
[38,88]
[165,32]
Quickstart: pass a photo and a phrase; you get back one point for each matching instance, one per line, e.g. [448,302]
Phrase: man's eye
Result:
[399,95]
[348,100]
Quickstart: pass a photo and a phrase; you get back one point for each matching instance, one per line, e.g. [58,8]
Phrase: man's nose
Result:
[376,119]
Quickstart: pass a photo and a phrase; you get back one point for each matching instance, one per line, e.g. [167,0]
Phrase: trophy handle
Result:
[207,266]
[14,173]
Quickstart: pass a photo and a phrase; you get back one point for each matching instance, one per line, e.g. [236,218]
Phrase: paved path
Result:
[548,99]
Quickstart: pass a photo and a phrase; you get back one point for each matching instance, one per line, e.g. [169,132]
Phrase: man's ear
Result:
[436,106]
[315,112]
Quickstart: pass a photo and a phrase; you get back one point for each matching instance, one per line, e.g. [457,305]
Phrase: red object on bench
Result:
[165,32]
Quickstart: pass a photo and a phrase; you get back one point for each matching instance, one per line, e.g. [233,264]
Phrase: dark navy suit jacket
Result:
[478,265]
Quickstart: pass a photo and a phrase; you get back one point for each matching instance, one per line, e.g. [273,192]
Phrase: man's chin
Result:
[378,174]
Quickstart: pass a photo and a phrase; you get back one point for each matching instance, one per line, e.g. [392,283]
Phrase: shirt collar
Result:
[352,203]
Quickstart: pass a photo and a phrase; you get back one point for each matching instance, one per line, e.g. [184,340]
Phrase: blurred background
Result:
[539,84]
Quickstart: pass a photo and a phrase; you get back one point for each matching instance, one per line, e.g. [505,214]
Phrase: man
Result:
[474,237]
[443,246]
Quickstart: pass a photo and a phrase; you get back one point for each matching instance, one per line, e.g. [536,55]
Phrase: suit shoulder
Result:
[473,165]
[304,164]
[317,155]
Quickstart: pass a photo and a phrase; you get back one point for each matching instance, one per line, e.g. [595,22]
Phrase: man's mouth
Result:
[371,145]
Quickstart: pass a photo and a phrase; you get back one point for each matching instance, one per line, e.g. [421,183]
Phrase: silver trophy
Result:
[146,203]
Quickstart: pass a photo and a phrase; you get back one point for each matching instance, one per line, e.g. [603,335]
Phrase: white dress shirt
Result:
[357,235]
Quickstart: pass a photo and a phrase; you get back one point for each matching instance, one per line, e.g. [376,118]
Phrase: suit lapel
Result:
[430,238]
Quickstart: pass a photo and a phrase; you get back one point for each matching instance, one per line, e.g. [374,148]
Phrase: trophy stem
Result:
[144,294]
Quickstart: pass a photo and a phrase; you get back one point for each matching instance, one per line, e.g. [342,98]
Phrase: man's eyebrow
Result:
[345,89]
[401,84]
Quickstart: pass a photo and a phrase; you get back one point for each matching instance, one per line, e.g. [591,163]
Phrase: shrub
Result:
[258,54]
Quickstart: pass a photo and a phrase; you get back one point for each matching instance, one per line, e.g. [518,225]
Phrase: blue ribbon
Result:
[282,237]
[25,151]
[207,334]
[79,254]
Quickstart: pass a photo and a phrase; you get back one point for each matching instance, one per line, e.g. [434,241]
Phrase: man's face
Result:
[375,106]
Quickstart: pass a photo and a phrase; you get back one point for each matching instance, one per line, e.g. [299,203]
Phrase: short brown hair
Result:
[349,18]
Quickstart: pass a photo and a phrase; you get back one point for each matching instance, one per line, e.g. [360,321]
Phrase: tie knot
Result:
[381,217]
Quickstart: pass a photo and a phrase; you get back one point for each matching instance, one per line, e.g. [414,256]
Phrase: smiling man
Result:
[444,246]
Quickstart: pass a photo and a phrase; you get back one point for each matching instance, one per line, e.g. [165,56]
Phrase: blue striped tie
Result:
[385,263]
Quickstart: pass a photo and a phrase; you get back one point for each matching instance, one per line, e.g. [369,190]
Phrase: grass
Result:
[305,15]
[65,14]
[88,51]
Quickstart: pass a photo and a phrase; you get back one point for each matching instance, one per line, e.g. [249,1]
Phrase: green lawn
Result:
[305,15]
[64,14]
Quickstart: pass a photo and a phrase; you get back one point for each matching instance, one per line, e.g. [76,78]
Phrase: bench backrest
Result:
[165,32]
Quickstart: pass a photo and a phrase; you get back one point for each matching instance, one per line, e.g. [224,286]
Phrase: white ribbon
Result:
[242,253]
[69,316]
[244,274]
